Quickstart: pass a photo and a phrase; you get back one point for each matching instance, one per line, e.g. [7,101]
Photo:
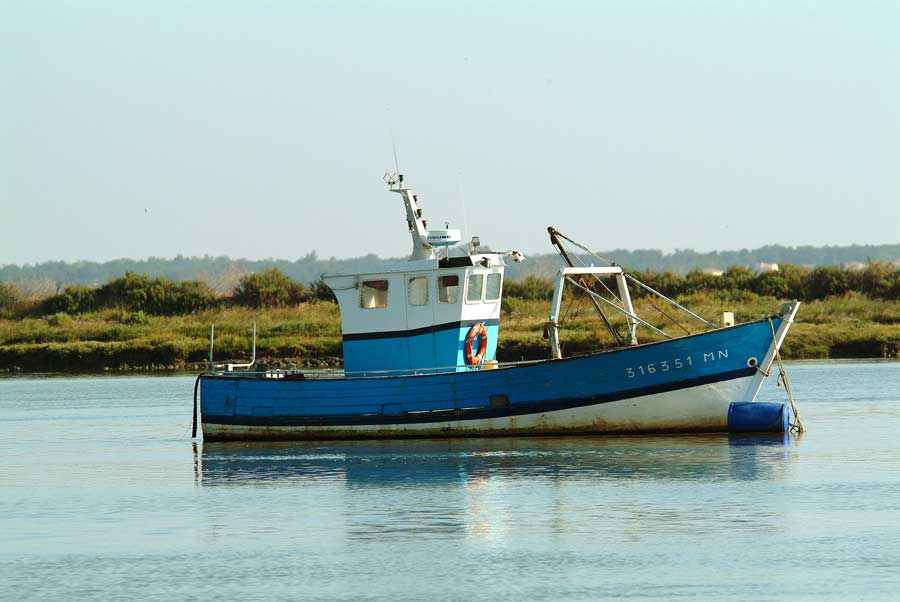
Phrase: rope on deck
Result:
[796,426]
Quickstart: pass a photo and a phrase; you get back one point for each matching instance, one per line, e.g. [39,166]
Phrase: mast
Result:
[585,283]
[422,249]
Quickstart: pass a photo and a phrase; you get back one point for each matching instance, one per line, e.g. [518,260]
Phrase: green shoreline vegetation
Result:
[152,323]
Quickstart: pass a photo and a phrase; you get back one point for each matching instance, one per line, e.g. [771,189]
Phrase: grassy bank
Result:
[308,333]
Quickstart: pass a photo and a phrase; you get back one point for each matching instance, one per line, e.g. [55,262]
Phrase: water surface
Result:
[104,497]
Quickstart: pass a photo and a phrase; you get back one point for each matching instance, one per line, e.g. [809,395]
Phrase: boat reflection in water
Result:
[487,490]
[456,463]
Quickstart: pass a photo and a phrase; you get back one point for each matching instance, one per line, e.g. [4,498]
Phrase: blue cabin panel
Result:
[377,354]
[422,351]
[441,350]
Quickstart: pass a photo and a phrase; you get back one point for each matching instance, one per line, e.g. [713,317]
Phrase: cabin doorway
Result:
[420,295]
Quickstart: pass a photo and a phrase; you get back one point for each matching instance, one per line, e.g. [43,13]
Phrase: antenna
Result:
[462,202]
[393,143]
[394,146]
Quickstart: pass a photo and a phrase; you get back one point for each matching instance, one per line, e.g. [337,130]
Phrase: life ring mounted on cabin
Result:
[477,330]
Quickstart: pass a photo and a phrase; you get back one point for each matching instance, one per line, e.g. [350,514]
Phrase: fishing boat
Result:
[420,359]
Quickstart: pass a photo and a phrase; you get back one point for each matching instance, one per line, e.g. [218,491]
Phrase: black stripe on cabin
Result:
[392,334]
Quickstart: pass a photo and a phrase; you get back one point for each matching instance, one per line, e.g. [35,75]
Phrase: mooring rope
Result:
[782,378]
[194,415]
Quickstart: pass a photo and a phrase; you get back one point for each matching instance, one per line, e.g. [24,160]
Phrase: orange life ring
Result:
[474,359]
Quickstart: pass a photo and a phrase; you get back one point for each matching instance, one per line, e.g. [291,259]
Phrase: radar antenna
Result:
[393,180]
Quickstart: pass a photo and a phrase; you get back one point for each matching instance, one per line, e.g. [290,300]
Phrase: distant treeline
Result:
[223,273]
[157,295]
[160,296]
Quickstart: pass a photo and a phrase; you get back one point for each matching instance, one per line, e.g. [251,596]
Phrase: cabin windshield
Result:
[474,288]
[492,290]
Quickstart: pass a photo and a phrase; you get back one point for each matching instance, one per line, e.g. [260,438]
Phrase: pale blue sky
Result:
[261,129]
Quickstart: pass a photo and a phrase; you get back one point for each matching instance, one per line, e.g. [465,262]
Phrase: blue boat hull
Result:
[685,384]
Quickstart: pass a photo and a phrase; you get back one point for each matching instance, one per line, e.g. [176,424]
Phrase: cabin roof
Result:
[422,265]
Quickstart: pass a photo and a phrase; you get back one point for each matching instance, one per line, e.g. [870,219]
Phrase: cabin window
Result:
[474,288]
[373,293]
[417,290]
[448,289]
[492,289]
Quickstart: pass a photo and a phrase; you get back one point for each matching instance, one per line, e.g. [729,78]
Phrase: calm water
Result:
[104,497]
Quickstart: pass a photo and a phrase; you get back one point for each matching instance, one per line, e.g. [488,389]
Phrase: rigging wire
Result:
[596,277]
[621,309]
[636,281]
[673,320]
[675,303]
[584,248]
[565,317]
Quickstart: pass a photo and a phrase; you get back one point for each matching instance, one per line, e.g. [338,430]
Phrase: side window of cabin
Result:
[417,290]
[373,293]
[448,289]
[474,288]
[492,289]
